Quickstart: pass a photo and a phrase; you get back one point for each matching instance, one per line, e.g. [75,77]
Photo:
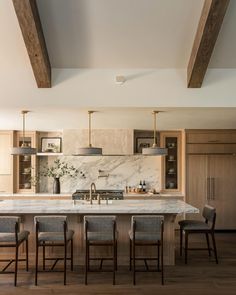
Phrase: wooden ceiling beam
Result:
[31,28]
[211,19]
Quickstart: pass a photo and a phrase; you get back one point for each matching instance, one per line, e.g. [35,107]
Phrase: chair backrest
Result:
[100,223]
[51,223]
[209,213]
[8,224]
[148,223]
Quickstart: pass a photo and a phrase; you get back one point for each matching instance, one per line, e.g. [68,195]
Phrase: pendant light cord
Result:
[155,127]
[90,127]
[23,128]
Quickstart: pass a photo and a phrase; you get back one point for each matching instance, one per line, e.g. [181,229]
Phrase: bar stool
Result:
[11,236]
[53,231]
[100,231]
[196,227]
[146,231]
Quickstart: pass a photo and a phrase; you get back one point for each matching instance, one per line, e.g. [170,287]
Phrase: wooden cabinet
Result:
[211,180]
[171,164]
[6,161]
[211,141]
[26,165]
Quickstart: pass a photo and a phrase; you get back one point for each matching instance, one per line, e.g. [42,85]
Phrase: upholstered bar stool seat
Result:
[51,236]
[206,227]
[11,236]
[146,230]
[193,225]
[53,231]
[100,231]
[145,236]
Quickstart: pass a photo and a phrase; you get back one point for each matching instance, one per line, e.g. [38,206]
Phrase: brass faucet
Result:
[92,189]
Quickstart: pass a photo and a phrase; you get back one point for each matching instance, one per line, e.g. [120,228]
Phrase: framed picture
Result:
[51,144]
[143,142]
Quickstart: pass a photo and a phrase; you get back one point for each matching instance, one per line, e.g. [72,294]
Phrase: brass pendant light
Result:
[24,149]
[154,150]
[89,150]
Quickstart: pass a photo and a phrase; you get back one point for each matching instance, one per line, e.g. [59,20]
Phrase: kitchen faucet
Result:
[92,189]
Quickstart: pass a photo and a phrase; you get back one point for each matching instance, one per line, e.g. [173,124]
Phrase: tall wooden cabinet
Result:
[211,175]
[172,163]
[17,172]
[26,165]
[6,161]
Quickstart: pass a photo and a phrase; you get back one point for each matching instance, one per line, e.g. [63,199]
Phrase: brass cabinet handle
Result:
[213,187]
[208,189]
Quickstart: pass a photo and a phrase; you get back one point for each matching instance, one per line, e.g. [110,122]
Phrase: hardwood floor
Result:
[201,276]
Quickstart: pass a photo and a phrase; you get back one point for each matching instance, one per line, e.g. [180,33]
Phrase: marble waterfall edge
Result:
[123,171]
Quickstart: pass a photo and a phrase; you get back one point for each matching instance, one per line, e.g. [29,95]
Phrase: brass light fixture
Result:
[24,149]
[154,150]
[90,150]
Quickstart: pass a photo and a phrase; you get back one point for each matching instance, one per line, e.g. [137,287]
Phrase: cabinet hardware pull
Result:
[213,188]
[208,189]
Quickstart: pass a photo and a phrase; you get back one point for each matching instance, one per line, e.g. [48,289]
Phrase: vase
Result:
[56,186]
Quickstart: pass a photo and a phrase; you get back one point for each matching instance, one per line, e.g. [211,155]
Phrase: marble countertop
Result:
[81,207]
[45,195]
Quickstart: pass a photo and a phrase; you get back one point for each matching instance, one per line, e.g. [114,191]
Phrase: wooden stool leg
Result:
[214,246]
[16,265]
[27,254]
[186,247]
[65,257]
[71,255]
[181,242]
[208,244]
[134,274]
[36,265]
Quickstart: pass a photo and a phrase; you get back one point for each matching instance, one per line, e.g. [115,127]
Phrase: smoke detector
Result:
[120,80]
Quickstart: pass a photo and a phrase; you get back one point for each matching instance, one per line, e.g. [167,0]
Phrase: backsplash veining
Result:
[123,171]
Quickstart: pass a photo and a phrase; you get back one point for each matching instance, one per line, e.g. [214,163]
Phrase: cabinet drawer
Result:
[221,137]
[229,148]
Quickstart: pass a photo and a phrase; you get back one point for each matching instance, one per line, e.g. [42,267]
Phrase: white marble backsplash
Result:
[122,170]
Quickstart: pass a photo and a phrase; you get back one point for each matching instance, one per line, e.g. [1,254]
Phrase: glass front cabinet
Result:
[171,171]
[26,165]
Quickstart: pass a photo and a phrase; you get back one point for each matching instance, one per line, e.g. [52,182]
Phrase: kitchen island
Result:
[75,210]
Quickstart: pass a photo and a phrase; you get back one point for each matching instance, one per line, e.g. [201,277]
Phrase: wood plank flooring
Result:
[201,276]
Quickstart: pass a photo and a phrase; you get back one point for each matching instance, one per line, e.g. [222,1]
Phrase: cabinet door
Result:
[222,171]
[197,183]
[6,162]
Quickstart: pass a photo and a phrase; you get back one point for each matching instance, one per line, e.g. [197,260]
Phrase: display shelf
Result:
[49,154]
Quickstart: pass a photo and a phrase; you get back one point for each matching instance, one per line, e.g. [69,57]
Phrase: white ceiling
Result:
[129,33]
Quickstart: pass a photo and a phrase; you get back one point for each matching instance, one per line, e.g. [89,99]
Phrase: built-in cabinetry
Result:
[6,161]
[17,173]
[171,164]
[26,165]
[211,173]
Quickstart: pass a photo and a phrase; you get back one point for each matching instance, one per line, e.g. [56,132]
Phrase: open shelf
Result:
[49,154]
